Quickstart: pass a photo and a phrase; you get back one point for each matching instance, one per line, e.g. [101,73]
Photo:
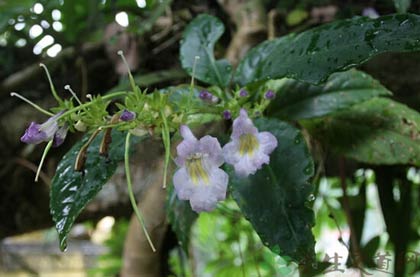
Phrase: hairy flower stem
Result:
[44,155]
[130,190]
[167,144]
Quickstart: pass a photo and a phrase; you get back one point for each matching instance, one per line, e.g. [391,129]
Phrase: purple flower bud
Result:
[60,135]
[127,115]
[269,95]
[227,114]
[243,93]
[205,95]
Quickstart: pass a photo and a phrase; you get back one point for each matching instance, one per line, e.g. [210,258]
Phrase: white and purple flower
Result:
[37,133]
[249,149]
[199,178]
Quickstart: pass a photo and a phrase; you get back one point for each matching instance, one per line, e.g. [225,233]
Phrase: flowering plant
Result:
[266,165]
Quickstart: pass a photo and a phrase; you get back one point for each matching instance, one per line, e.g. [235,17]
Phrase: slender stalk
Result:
[130,76]
[31,103]
[53,91]
[196,58]
[44,155]
[167,144]
[130,190]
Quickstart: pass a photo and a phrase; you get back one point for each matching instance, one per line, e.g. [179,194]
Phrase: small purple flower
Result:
[127,115]
[227,114]
[269,95]
[243,93]
[37,133]
[249,149]
[60,135]
[370,12]
[199,178]
[205,95]
[208,96]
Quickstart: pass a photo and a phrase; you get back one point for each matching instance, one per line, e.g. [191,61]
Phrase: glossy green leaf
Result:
[198,40]
[275,199]
[299,100]
[315,54]
[181,217]
[72,190]
[378,131]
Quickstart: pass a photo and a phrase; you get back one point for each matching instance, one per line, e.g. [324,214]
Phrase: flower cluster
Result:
[200,179]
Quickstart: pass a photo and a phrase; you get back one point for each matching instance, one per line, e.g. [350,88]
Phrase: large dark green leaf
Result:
[274,199]
[300,100]
[378,131]
[72,190]
[315,54]
[181,217]
[198,40]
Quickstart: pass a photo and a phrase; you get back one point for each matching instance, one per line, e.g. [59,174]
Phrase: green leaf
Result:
[378,131]
[181,217]
[402,6]
[199,39]
[299,100]
[274,199]
[315,54]
[72,190]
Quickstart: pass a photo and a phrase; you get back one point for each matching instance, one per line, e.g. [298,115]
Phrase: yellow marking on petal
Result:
[248,143]
[196,170]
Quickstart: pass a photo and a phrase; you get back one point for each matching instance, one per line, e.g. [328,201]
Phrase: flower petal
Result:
[33,134]
[231,152]
[243,125]
[268,142]
[183,186]
[187,147]
[211,146]
[186,133]
[60,135]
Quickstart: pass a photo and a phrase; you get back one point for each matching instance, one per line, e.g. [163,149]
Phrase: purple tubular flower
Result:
[270,95]
[227,114]
[127,115]
[199,178]
[60,135]
[243,93]
[37,133]
[249,149]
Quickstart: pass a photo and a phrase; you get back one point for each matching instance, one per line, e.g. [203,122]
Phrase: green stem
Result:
[167,144]
[130,191]
[44,155]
